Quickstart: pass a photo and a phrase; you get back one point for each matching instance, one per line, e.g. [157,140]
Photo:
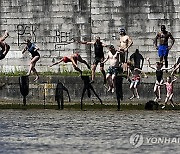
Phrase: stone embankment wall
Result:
[44,90]
[54,25]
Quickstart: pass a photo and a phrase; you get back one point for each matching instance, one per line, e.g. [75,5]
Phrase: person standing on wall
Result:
[124,43]
[99,57]
[137,59]
[4,46]
[163,47]
[33,49]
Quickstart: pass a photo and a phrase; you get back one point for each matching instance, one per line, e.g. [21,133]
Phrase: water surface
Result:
[107,132]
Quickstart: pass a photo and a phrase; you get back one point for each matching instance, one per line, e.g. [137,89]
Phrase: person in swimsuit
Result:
[163,48]
[74,58]
[125,42]
[4,46]
[99,57]
[169,90]
[135,79]
[33,49]
[159,78]
[114,69]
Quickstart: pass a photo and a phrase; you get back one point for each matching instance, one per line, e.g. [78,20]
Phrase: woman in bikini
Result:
[74,58]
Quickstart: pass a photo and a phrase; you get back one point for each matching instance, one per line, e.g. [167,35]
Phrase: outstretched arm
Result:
[105,60]
[141,72]
[168,68]
[173,40]
[175,78]
[36,48]
[130,42]
[85,42]
[150,64]
[155,41]
[25,48]
[56,62]
[142,63]
[175,69]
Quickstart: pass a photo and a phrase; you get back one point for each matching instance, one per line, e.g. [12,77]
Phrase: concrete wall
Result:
[55,24]
[44,90]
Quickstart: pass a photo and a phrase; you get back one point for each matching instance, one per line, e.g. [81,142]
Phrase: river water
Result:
[92,132]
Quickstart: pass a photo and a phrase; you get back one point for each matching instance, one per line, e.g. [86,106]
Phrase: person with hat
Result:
[124,43]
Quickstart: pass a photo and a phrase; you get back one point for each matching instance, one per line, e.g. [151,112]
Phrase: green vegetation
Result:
[64,73]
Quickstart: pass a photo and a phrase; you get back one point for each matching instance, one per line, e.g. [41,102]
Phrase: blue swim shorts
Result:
[163,50]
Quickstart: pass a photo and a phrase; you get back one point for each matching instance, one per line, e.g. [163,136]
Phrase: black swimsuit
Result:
[31,50]
[159,75]
[98,48]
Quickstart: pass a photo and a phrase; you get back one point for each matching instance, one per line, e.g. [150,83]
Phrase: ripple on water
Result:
[53,131]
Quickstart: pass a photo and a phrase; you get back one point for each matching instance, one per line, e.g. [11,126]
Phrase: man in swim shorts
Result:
[163,48]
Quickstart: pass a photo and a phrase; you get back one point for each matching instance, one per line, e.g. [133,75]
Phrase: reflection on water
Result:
[53,131]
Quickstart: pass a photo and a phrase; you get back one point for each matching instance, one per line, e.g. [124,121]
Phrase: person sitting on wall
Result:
[5,47]
[74,58]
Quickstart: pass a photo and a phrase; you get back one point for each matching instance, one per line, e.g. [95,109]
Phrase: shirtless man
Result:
[74,58]
[113,70]
[124,44]
[99,57]
[5,47]
[163,48]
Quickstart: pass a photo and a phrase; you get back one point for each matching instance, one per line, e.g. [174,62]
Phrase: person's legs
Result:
[135,88]
[165,102]
[170,99]
[104,73]
[161,59]
[7,47]
[132,89]
[83,61]
[166,61]
[109,81]
[77,69]
[113,82]
[159,92]
[155,92]
[32,67]
[93,69]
